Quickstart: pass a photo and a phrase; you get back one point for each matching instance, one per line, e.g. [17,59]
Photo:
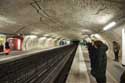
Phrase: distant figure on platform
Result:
[122,78]
[1,47]
[91,51]
[116,48]
[100,62]
[7,48]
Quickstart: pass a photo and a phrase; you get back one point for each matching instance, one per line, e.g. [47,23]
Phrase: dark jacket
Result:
[116,47]
[122,79]
[91,50]
[7,45]
[101,61]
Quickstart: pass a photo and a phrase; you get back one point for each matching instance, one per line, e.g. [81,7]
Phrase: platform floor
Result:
[80,69]
[14,54]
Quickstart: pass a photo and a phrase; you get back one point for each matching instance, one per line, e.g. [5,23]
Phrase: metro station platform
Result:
[80,68]
[16,54]
[20,53]
[38,24]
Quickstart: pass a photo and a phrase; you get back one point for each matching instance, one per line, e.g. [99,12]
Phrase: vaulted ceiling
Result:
[66,18]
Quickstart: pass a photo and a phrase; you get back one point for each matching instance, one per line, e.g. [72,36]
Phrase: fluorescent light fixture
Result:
[42,38]
[85,30]
[123,46]
[109,26]
[31,36]
[46,35]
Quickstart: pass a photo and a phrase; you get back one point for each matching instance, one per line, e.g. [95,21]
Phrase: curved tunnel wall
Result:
[114,34]
[33,42]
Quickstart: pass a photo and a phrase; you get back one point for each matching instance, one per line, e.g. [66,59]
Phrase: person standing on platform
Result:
[1,47]
[101,61]
[91,51]
[116,48]
[7,48]
[122,78]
